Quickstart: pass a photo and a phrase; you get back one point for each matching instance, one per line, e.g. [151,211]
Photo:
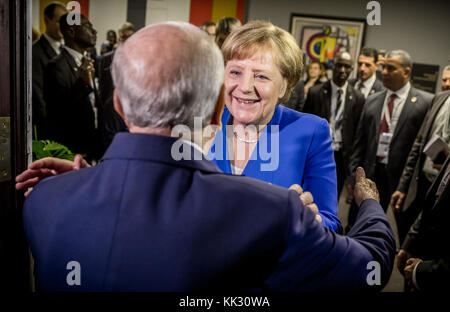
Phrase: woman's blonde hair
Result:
[244,41]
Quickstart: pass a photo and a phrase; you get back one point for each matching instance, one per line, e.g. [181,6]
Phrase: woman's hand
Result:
[307,200]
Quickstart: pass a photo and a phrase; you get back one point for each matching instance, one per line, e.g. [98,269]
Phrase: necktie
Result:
[338,105]
[384,126]
[360,86]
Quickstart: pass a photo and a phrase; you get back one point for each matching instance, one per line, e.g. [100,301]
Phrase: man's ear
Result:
[118,107]
[407,71]
[218,110]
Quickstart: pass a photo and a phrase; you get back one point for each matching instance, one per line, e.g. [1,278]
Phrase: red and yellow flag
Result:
[214,10]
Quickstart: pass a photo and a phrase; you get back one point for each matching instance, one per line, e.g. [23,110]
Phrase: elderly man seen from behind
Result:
[146,219]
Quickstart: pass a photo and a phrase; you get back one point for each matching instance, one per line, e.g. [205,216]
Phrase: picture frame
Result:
[321,37]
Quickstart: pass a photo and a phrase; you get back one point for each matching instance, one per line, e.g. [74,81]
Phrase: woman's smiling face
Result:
[253,87]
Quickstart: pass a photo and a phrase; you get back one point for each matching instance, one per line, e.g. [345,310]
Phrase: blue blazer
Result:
[142,221]
[305,157]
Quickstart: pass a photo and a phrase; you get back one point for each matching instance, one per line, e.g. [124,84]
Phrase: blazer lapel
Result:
[408,108]
[326,99]
[378,109]
[48,50]
[71,62]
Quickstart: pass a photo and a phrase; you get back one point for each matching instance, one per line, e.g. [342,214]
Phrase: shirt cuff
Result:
[414,275]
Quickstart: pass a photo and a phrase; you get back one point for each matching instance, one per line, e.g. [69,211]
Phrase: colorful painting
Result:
[320,38]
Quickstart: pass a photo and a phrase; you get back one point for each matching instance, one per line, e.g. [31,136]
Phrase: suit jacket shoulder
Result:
[141,206]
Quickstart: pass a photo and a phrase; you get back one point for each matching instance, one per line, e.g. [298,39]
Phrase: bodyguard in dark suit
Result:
[341,106]
[112,122]
[73,106]
[46,48]
[424,258]
[367,82]
[419,173]
[389,124]
[155,215]
[297,99]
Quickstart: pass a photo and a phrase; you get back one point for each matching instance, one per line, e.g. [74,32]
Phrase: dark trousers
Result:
[340,170]
[405,219]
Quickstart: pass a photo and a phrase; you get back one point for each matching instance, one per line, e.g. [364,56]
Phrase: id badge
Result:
[383,146]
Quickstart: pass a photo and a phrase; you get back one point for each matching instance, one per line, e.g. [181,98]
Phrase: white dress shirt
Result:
[366,85]
[399,103]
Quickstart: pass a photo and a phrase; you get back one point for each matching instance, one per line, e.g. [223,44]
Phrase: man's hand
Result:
[409,269]
[364,188]
[397,201]
[438,167]
[307,200]
[402,257]
[87,70]
[47,167]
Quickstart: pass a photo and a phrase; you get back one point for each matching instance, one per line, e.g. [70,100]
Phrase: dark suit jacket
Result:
[428,239]
[106,85]
[377,85]
[143,221]
[412,173]
[112,122]
[69,109]
[367,135]
[297,99]
[318,102]
[42,54]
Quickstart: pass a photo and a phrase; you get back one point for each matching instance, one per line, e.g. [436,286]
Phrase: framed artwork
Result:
[320,37]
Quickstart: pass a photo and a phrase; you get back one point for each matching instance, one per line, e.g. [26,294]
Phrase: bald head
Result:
[167,74]
[342,67]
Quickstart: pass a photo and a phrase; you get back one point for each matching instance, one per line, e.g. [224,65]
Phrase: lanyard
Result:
[386,111]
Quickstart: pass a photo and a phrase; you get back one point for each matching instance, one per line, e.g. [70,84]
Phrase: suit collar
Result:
[412,100]
[156,148]
[46,47]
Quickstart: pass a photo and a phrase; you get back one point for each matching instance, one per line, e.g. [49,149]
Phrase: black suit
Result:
[377,85]
[428,239]
[297,99]
[112,122]
[318,102]
[42,54]
[69,109]
[367,136]
[413,182]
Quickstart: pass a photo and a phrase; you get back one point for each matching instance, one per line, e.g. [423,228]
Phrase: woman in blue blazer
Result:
[262,139]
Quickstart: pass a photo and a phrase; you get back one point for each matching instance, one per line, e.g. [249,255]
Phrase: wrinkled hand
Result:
[47,167]
[307,200]
[402,257]
[87,70]
[409,269]
[397,201]
[364,188]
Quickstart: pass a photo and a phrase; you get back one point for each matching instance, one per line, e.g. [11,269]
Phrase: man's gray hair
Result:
[446,68]
[166,74]
[407,60]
